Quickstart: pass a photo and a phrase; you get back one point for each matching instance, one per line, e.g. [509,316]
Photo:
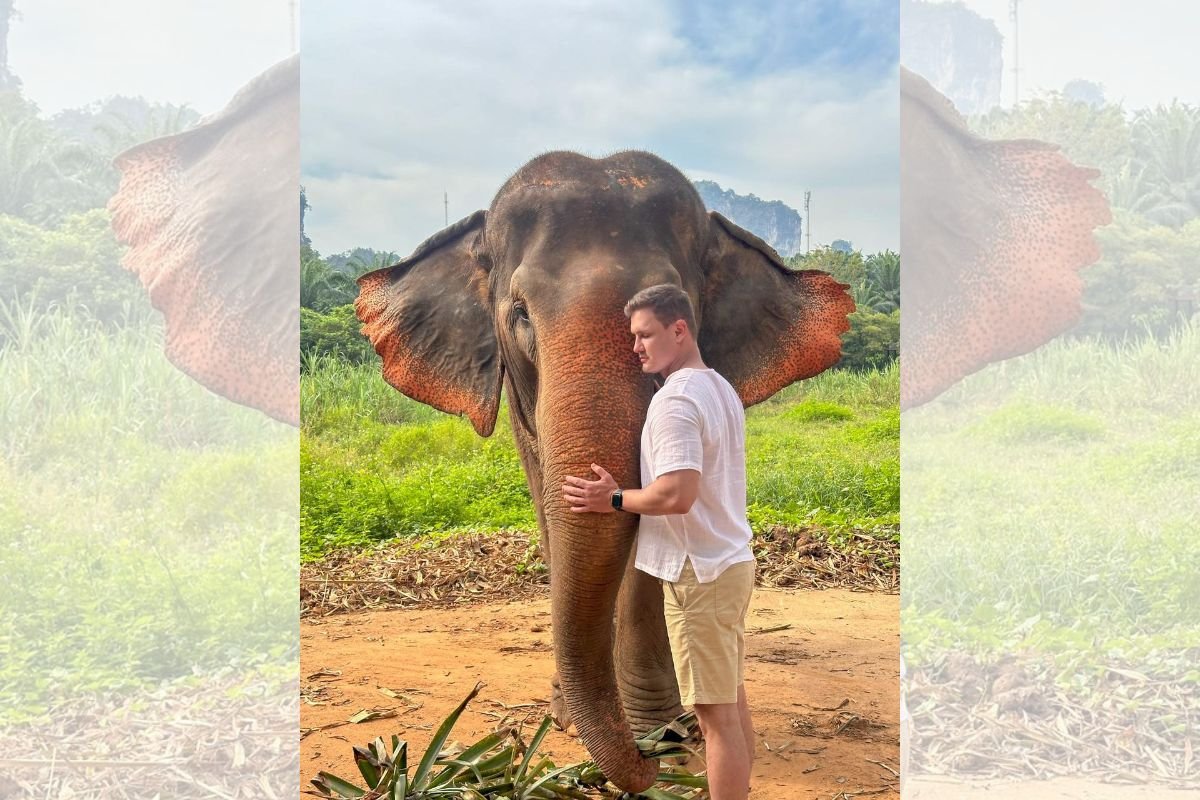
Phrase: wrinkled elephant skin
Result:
[528,296]
[993,235]
[211,216]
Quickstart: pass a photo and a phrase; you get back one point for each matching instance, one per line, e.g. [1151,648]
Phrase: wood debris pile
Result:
[400,574]
[805,559]
[1018,718]
[216,736]
[506,566]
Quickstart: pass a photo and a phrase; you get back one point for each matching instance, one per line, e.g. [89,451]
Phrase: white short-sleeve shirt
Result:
[695,421]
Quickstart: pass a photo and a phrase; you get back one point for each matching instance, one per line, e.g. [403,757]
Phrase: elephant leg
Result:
[645,672]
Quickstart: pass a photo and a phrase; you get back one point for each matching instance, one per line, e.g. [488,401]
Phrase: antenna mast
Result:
[1012,14]
[446,203]
[807,222]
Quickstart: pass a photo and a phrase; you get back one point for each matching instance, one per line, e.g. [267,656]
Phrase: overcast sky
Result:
[1143,52]
[69,53]
[402,101]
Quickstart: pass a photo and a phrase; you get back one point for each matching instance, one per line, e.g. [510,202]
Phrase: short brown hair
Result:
[668,302]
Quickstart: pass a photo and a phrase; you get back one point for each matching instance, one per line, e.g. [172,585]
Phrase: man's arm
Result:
[671,493]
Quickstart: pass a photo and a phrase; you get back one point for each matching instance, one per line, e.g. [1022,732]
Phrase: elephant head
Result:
[994,234]
[528,296]
[211,215]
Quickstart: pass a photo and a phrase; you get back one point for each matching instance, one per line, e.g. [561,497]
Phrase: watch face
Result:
[616,499]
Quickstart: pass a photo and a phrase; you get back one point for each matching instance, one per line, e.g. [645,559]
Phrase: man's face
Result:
[657,345]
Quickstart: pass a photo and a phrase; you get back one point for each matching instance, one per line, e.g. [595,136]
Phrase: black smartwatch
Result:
[616,499]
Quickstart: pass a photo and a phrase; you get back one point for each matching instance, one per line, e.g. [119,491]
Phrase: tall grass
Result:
[1053,501]
[68,383]
[376,465]
[148,525]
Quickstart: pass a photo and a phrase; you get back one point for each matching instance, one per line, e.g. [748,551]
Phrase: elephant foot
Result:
[558,705]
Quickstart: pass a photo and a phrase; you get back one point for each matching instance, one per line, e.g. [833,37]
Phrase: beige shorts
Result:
[706,623]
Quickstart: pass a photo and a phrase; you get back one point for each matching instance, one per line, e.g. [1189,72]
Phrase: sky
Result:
[1142,53]
[404,101]
[69,53]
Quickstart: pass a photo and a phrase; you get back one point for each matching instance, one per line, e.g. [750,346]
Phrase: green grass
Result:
[1032,423]
[376,465]
[826,451]
[1052,503]
[819,411]
[149,526]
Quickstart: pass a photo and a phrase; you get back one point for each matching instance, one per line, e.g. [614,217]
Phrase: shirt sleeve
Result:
[675,437]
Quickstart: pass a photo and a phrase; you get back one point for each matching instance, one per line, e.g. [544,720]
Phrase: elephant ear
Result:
[994,234]
[429,319]
[210,219]
[762,325]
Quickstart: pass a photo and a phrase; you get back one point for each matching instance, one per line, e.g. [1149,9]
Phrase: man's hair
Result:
[667,301]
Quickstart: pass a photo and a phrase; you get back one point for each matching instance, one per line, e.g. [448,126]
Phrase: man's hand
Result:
[584,495]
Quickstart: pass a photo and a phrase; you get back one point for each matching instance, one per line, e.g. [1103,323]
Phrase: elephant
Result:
[994,234]
[527,297]
[211,216]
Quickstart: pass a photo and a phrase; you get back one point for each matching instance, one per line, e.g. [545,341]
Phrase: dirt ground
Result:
[933,788]
[824,692]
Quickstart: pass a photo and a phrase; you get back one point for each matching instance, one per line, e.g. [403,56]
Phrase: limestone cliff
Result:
[956,50]
[770,220]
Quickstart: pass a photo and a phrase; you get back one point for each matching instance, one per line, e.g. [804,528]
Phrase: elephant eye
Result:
[522,328]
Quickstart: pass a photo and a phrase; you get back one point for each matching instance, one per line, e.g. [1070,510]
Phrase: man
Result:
[693,534]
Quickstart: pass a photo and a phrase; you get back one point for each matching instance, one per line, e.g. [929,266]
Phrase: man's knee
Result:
[718,715]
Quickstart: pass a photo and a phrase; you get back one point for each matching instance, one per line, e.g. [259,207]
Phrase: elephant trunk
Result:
[581,423]
[583,587]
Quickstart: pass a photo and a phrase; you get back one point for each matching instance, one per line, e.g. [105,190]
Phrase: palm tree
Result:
[120,132]
[26,158]
[883,281]
[361,265]
[321,286]
[44,175]
[1163,178]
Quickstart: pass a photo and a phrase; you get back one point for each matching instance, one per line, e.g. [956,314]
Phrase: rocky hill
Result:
[958,51]
[772,221]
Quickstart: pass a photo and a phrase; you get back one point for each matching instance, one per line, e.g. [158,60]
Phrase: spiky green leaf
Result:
[439,739]
[333,786]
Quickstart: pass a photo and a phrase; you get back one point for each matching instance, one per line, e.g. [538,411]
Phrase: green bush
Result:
[333,334]
[1031,422]
[820,411]
[885,426]
[1146,282]
[873,340]
[76,264]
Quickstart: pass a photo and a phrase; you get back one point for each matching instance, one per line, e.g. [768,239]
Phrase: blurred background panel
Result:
[1050,356]
[148,522]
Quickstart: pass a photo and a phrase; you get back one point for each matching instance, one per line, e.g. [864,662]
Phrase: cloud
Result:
[69,54]
[398,107]
[1139,51]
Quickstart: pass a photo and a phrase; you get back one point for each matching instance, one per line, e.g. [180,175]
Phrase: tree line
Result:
[329,328]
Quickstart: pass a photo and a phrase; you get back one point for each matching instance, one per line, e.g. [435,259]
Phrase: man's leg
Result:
[706,623]
[747,725]
[725,750]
